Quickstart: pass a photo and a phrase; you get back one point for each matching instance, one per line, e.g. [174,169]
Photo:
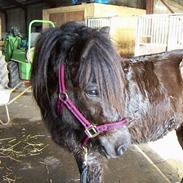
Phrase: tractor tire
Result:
[4,80]
[14,78]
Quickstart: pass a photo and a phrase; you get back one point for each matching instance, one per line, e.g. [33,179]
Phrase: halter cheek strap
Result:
[91,130]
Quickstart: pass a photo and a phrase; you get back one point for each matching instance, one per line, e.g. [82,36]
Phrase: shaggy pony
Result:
[146,90]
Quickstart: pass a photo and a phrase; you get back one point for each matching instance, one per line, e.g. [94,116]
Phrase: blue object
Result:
[102,1]
[74,1]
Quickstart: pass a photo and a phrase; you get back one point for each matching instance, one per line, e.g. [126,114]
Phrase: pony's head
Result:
[93,78]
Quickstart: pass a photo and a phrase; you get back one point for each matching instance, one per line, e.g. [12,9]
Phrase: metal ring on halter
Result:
[63,96]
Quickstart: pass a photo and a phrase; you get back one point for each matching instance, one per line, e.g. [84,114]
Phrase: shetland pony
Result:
[104,88]
[93,79]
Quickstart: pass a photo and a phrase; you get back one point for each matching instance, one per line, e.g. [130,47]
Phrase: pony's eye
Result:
[92,93]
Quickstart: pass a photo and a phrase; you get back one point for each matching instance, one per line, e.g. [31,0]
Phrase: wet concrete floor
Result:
[28,155]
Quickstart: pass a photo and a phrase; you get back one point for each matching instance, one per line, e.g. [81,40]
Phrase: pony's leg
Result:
[95,168]
[67,138]
[93,171]
[179,133]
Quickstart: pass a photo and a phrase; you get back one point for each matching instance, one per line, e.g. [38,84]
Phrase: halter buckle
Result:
[63,96]
[91,131]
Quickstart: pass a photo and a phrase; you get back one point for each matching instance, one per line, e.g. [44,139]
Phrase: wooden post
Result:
[6,21]
[168,7]
[25,20]
[149,6]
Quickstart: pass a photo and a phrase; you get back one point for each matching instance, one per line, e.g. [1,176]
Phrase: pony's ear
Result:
[105,30]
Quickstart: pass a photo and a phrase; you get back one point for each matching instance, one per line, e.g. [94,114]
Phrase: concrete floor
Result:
[28,155]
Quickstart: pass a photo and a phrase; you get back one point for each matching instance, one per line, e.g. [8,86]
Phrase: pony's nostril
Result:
[120,150]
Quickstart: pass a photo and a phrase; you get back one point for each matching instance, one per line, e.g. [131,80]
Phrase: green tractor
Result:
[19,54]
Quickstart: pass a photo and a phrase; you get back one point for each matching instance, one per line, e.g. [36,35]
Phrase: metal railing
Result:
[159,32]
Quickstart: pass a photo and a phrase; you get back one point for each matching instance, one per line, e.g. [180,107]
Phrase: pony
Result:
[93,80]
[85,89]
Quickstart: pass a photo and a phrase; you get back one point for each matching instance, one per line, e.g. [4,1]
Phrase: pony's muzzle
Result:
[116,143]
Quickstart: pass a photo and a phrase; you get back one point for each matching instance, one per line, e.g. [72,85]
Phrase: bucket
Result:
[25,70]
[4,96]
[102,1]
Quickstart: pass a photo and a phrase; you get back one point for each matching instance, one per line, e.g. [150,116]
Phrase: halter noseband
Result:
[91,130]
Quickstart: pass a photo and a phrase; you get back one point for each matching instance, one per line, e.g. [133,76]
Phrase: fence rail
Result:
[157,33]
[98,22]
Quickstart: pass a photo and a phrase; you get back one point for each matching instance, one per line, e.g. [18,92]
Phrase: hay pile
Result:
[16,150]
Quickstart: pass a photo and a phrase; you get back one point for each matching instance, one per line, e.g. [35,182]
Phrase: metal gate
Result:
[175,37]
[158,33]
[98,22]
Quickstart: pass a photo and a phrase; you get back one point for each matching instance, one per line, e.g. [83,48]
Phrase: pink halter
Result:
[90,130]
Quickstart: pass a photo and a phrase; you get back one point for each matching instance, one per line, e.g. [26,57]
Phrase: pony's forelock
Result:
[101,63]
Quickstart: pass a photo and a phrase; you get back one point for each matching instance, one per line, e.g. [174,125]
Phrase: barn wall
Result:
[35,12]
[2,25]
[113,10]
[60,15]
[16,17]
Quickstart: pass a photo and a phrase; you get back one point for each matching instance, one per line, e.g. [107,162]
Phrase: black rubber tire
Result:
[14,77]
[4,80]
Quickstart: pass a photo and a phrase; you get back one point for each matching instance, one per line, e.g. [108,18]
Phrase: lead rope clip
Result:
[84,174]
[85,156]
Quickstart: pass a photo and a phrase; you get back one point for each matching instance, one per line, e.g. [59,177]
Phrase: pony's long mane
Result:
[87,54]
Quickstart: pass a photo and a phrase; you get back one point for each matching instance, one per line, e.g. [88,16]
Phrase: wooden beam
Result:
[16,3]
[6,21]
[141,4]
[168,7]
[26,21]
[51,3]
[149,6]
[2,10]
